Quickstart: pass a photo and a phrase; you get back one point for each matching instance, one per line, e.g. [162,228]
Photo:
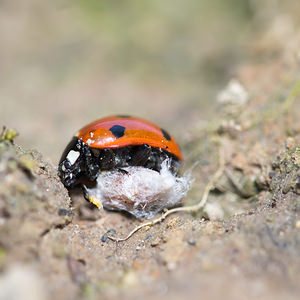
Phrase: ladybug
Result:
[114,143]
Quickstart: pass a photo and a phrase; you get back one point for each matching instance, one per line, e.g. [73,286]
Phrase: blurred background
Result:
[65,63]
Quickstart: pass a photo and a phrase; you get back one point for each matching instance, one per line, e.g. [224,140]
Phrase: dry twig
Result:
[191,208]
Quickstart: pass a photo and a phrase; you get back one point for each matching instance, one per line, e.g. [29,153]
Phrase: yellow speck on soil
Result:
[96,201]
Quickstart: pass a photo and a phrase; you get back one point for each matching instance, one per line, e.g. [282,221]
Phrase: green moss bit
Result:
[8,134]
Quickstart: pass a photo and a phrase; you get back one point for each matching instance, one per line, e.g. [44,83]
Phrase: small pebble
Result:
[65,212]
[155,242]
[234,94]
[110,232]
[191,242]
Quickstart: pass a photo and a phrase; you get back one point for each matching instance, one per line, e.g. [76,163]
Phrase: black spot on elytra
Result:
[117,131]
[124,116]
[166,135]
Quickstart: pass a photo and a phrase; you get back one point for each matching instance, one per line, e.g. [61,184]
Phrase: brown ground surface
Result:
[244,245]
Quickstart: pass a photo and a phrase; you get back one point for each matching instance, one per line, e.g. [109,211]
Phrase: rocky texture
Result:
[242,255]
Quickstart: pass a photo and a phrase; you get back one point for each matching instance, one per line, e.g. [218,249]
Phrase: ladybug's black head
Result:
[78,161]
[71,164]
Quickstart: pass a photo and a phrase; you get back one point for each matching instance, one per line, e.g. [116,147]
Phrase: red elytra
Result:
[121,131]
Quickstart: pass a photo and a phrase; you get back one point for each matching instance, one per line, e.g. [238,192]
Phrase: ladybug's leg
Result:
[157,157]
[140,155]
[91,164]
[85,191]
[121,170]
[90,197]
[107,159]
[110,160]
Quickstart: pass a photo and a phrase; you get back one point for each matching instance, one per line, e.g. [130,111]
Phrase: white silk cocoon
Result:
[141,192]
